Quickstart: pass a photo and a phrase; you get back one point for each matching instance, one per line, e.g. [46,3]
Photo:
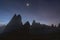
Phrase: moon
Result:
[27,4]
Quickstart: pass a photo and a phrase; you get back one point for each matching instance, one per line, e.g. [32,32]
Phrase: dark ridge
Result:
[15,30]
[14,23]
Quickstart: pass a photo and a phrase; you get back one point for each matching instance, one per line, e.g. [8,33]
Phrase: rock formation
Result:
[14,24]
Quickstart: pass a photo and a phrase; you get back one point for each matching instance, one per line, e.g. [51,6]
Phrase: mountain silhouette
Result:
[27,27]
[16,30]
[14,24]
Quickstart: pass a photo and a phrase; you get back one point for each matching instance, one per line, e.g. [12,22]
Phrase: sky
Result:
[43,11]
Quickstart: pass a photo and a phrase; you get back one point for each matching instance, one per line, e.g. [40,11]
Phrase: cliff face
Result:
[14,24]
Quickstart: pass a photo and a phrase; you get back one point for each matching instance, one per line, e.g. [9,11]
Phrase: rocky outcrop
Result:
[14,24]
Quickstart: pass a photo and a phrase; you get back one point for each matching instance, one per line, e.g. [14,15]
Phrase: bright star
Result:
[27,4]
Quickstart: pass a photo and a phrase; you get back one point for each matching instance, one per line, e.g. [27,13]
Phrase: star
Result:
[27,4]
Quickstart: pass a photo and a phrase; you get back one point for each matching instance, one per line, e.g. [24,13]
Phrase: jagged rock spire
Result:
[27,27]
[15,23]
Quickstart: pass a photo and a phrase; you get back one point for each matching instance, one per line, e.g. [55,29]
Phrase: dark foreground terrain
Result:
[29,36]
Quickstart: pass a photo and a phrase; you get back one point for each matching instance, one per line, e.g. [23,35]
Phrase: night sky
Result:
[43,11]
